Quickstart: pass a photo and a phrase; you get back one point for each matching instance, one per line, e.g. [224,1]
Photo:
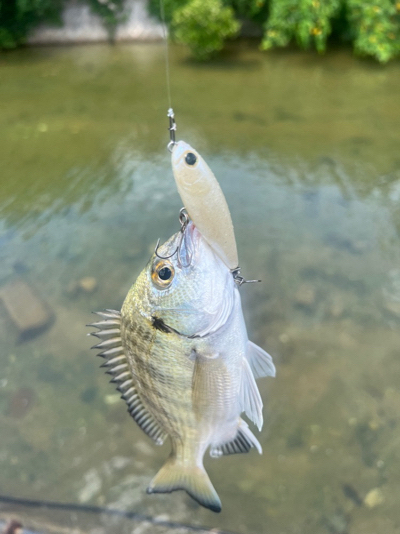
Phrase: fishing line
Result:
[171,116]
[166,47]
[31,503]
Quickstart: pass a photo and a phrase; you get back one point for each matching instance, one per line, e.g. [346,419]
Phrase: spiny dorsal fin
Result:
[243,442]
[116,363]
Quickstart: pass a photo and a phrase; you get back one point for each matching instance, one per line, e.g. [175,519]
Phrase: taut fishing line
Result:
[165,37]
[171,116]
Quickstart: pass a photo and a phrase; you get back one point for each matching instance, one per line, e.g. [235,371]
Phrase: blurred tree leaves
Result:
[371,26]
[375,27]
[111,12]
[204,25]
[17,17]
[308,22]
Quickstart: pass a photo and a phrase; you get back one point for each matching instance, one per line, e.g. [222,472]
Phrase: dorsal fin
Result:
[243,442]
[116,363]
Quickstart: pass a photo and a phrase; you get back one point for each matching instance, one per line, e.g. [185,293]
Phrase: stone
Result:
[374,498]
[29,313]
[112,399]
[305,296]
[87,284]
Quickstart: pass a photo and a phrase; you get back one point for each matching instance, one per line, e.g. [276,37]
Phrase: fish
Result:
[179,353]
[204,201]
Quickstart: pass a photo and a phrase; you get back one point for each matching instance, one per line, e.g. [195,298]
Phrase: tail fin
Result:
[193,479]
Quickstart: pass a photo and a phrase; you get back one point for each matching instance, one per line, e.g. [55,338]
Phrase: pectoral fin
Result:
[250,399]
[260,361]
[208,383]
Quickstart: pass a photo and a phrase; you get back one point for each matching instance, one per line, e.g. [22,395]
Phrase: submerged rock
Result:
[374,498]
[87,284]
[29,313]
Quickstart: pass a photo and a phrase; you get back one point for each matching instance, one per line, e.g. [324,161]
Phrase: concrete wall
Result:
[81,25]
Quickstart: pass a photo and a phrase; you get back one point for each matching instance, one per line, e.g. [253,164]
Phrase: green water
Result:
[307,152]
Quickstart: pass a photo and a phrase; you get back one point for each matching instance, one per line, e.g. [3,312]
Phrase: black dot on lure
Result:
[190,158]
[165,273]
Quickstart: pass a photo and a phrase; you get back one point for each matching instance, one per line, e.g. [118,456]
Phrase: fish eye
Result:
[162,274]
[165,273]
[190,158]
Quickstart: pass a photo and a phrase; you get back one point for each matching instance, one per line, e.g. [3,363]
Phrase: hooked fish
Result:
[204,201]
[180,356]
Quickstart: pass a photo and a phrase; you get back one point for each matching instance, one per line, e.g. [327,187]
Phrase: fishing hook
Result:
[184,221]
[239,279]
[172,130]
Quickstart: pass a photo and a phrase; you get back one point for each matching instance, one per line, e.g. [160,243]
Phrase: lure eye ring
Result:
[163,274]
[190,159]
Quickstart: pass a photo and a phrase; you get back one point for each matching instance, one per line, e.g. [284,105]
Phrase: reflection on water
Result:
[306,151]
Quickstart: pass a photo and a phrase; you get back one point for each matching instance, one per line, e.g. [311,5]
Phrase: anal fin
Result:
[243,442]
[116,364]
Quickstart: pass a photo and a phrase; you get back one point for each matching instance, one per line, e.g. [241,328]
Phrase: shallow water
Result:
[307,152]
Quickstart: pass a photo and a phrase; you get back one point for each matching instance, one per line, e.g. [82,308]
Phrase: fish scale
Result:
[144,353]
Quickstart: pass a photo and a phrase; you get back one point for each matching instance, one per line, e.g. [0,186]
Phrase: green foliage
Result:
[246,8]
[308,22]
[17,17]
[372,26]
[157,7]
[111,12]
[204,25]
[376,28]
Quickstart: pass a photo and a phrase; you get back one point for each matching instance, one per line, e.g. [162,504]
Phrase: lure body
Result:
[204,201]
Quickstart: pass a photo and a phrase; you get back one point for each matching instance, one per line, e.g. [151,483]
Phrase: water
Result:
[306,150]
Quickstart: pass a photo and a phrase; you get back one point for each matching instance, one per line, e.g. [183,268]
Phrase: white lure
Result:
[205,202]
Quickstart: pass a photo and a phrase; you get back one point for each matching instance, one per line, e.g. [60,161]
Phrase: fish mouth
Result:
[189,245]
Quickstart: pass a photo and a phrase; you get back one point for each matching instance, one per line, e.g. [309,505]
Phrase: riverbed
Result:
[306,149]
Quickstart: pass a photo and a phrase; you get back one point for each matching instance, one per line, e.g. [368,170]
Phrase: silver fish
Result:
[181,358]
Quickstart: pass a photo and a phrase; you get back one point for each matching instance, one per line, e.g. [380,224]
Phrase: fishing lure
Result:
[204,201]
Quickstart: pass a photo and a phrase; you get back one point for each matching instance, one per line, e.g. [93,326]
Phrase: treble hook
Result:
[184,221]
[172,129]
[239,279]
